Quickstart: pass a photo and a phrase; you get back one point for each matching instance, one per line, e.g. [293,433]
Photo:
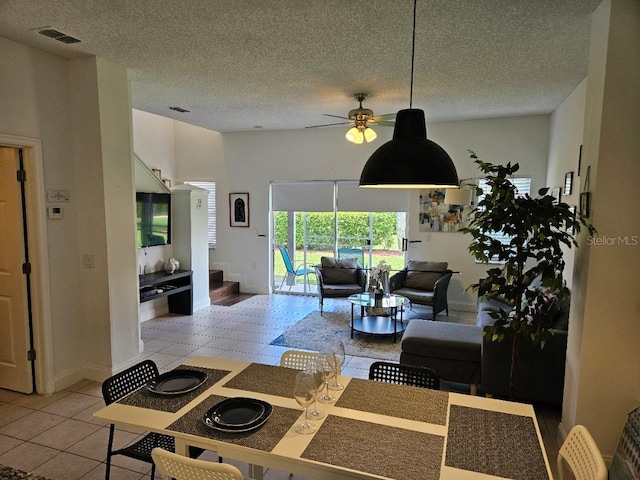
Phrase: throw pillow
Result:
[339,271]
[424,275]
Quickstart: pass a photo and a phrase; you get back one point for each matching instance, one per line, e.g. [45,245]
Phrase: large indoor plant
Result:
[536,229]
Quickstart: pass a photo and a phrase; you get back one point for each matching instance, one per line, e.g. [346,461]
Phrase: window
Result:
[523,186]
[211,209]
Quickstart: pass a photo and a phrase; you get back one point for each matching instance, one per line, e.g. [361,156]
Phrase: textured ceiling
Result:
[282,64]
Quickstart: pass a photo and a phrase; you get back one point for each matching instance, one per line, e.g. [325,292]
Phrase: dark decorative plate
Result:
[237,414]
[177,382]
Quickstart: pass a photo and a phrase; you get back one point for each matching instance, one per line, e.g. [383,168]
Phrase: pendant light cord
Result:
[413,52]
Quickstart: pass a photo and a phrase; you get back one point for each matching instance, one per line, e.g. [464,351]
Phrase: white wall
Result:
[522,140]
[63,104]
[248,161]
[567,125]
[603,359]
[34,94]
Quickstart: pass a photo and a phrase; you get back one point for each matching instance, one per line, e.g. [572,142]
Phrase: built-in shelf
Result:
[177,286]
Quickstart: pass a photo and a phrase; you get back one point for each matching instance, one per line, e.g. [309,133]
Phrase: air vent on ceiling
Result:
[179,109]
[57,35]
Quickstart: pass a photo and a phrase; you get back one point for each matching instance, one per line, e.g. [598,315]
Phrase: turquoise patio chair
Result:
[291,269]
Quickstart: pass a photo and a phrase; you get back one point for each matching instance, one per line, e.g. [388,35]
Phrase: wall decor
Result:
[580,161]
[585,196]
[437,216]
[585,203]
[239,209]
[568,183]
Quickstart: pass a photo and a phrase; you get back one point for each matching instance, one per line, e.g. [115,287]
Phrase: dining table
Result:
[374,430]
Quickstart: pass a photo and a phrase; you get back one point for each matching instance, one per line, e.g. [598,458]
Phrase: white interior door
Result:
[15,367]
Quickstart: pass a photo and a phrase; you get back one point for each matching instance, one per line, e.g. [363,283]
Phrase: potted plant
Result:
[537,228]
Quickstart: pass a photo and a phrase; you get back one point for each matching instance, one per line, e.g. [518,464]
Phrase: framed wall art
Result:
[437,216]
[568,183]
[239,209]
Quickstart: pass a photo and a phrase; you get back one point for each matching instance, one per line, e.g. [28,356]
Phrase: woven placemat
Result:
[401,401]
[377,449]
[264,438]
[494,443]
[170,403]
[265,379]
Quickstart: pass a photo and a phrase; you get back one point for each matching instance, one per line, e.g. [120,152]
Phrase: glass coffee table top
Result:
[369,300]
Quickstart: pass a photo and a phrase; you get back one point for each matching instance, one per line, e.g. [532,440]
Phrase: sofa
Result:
[540,370]
[460,353]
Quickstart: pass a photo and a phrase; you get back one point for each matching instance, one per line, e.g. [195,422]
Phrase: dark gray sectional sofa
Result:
[540,372]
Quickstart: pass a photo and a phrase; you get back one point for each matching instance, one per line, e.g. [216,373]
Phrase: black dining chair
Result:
[402,374]
[115,388]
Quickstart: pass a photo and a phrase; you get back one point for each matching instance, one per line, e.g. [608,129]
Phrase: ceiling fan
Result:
[361,119]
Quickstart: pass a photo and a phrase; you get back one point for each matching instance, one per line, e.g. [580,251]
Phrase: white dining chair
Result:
[171,465]
[297,359]
[580,452]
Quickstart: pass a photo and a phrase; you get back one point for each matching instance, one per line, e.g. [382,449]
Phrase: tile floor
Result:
[57,437]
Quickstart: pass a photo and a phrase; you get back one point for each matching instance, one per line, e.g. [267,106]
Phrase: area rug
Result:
[315,332]
[8,473]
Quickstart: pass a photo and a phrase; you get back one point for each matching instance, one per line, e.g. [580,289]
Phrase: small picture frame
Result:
[167,182]
[157,172]
[568,183]
[585,203]
[239,209]
[580,160]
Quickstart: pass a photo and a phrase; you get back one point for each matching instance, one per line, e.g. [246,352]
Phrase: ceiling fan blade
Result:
[336,116]
[386,123]
[391,117]
[328,125]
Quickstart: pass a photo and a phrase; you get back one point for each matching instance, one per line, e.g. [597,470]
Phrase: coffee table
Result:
[378,324]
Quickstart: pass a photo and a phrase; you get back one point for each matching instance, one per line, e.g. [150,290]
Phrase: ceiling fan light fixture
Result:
[354,135]
[369,134]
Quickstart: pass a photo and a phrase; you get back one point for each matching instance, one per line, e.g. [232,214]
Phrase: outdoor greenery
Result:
[538,229]
[313,258]
[351,225]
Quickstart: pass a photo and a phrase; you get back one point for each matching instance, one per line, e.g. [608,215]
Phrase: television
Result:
[153,219]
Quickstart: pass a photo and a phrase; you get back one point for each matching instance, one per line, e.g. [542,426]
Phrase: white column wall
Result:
[603,359]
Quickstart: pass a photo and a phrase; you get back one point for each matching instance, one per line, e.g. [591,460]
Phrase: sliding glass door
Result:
[309,222]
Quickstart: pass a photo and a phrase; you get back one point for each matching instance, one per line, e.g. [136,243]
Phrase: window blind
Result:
[523,187]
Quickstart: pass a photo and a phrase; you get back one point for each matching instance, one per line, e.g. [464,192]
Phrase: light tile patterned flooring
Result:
[57,437]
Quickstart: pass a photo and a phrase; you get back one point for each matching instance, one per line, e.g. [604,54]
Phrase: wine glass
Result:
[304,393]
[338,351]
[314,367]
[328,362]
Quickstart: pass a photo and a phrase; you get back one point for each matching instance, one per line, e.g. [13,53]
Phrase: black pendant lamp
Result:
[409,159]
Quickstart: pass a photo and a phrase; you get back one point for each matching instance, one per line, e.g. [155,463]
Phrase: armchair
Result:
[338,277]
[424,283]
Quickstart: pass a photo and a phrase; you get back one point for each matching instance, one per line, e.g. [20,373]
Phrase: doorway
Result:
[26,363]
[336,219]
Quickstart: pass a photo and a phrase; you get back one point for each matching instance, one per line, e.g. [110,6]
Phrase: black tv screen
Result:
[153,219]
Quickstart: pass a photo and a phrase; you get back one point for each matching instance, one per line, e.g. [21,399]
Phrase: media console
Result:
[176,286]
